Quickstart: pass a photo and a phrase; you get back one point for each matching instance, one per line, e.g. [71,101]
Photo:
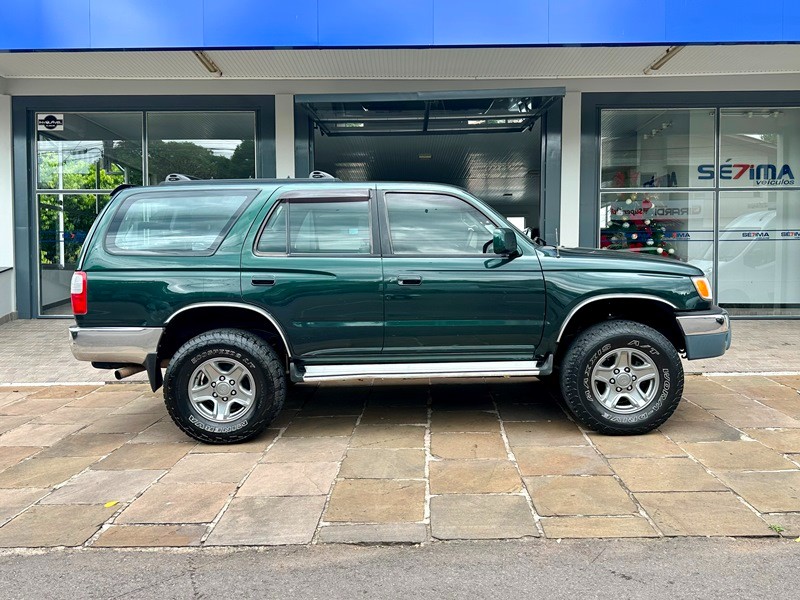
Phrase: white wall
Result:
[7,295]
[570,170]
[284,136]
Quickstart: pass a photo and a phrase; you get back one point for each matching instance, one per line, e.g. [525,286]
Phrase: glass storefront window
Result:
[206,145]
[647,148]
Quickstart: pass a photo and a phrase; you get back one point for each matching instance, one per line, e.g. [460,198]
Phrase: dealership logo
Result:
[766,174]
[679,235]
[755,234]
[50,122]
[683,211]
[790,234]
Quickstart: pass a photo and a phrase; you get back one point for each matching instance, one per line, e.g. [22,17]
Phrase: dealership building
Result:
[663,127]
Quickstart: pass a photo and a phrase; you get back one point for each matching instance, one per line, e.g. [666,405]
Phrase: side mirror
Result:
[505,241]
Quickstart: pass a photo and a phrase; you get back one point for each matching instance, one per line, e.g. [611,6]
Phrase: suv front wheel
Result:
[621,378]
[224,386]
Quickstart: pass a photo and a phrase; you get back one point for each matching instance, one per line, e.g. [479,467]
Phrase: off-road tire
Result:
[587,349]
[250,350]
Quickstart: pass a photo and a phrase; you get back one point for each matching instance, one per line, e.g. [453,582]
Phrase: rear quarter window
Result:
[180,223]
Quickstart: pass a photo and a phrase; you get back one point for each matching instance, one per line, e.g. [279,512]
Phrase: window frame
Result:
[320,197]
[121,209]
[386,238]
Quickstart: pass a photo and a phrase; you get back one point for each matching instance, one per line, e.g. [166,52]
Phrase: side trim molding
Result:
[587,301]
[508,368]
[250,307]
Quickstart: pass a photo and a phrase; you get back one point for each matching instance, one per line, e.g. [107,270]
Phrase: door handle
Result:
[409,280]
[263,280]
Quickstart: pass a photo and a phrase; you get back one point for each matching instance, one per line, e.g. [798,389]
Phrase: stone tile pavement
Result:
[102,465]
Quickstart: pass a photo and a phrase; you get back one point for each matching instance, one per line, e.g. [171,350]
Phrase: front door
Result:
[314,265]
[447,295]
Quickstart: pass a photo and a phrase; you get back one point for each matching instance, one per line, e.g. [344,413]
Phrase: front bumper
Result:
[707,333]
[119,345]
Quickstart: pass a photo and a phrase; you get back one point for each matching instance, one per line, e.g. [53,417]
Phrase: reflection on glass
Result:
[94,151]
[64,221]
[330,227]
[644,148]
[758,252]
[205,145]
[759,147]
[678,225]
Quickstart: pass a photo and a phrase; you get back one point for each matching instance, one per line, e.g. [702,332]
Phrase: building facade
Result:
[662,127]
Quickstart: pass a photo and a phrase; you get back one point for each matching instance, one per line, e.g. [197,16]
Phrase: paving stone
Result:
[387,533]
[788,402]
[69,414]
[700,431]
[727,400]
[756,416]
[701,513]
[164,431]
[290,479]
[144,456]
[100,487]
[221,468]
[540,411]
[320,427]
[140,536]
[592,495]
[328,405]
[388,436]
[44,472]
[178,503]
[789,523]
[35,434]
[664,475]
[87,444]
[785,441]
[258,444]
[307,450]
[650,445]
[376,501]
[122,424]
[386,393]
[11,455]
[468,445]
[750,456]
[108,397]
[553,433]
[481,517]
[690,412]
[383,463]
[284,418]
[597,527]
[55,525]
[12,501]
[395,415]
[143,405]
[792,381]
[474,477]
[11,422]
[767,492]
[67,392]
[268,521]
[464,420]
[561,460]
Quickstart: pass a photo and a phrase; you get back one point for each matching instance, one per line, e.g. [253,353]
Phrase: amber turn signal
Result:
[703,287]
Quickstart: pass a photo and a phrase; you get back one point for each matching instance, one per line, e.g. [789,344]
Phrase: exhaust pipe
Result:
[128,371]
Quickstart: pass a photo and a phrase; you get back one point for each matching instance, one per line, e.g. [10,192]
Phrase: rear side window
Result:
[185,223]
[318,227]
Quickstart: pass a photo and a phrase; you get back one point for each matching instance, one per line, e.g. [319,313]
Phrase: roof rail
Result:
[180,177]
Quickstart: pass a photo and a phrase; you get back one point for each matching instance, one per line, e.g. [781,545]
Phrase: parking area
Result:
[103,465]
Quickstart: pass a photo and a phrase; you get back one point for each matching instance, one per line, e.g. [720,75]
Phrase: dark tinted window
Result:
[330,227]
[179,223]
[273,236]
[436,224]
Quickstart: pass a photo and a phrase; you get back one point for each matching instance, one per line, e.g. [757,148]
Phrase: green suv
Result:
[239,288]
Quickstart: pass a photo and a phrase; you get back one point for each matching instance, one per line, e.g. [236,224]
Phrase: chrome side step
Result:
[505,368]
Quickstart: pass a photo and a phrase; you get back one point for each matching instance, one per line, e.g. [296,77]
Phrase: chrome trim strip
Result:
[583,303]
[704,324]
[256,309]
[508,368]
[114,344]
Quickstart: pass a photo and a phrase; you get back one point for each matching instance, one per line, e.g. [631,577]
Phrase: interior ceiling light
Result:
[424,156]
[209,64]
[671,51]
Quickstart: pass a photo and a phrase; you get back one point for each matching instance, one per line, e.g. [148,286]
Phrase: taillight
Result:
[78,290]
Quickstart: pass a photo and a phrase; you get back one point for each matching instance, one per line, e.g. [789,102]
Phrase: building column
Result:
[284,136]
[570,170]
[7,291]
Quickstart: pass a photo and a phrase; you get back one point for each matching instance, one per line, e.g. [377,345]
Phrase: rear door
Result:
[313,263]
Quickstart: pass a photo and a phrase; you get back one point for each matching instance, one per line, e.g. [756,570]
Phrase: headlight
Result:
[703,287]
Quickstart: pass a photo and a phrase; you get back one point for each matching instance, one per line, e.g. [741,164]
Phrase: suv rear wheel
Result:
[621,377]
[224,386]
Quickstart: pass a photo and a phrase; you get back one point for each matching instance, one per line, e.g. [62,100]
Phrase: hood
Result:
[593,259]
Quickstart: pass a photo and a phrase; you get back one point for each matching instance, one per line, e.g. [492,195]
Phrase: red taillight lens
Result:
[78,289]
